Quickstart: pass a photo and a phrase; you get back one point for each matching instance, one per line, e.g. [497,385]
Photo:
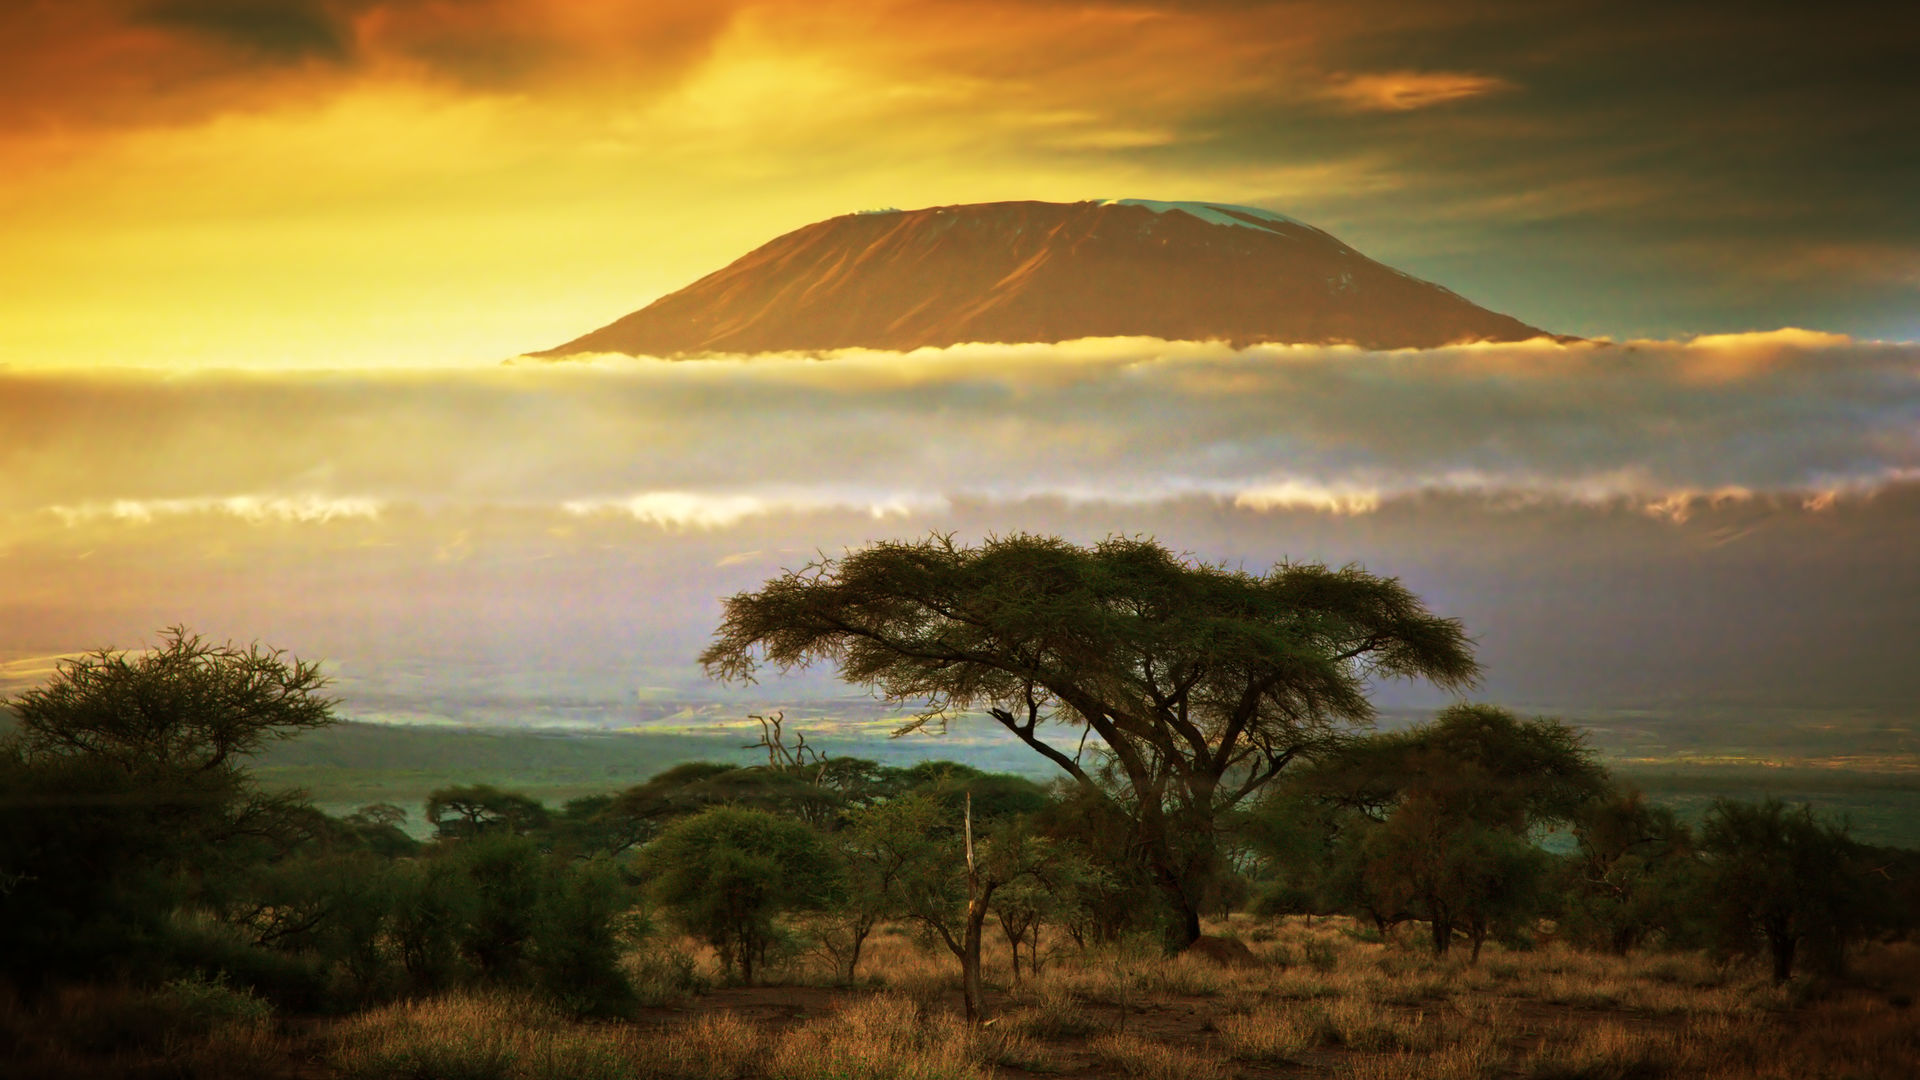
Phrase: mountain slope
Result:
[1033,271]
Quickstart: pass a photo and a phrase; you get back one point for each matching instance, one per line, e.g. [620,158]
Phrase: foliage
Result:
[502,875]
[1452,872]
[431,904]
[1202,682]
[1434,823]
[473,809]
[1779,879]
[125,772]
[940,873]
[188,706]
[587,922]
[816,794]
[1632,876]
[727,873]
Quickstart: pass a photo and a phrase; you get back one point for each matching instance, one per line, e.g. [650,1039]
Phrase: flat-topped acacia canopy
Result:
[1203,682]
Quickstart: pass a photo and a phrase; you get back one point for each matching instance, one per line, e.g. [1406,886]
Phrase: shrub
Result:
[503,876]
[586,921]
[666,977]
[726,873]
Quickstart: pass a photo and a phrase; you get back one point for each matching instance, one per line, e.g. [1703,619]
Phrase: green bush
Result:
[726,873]
[586,922]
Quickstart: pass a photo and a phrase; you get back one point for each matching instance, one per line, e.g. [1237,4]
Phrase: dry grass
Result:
[882,1037]
[1271,1035]
[1053,1011]
[1327,1000]
[717,1046]
[1150,1059]
[474,1037]
[188,1029]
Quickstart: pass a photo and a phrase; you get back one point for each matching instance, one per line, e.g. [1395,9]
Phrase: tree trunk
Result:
[1014,932]
[860,932]
[1781,942]
[970,988]
[1442,934]
[979,892]
[1187,929]
[1177,881]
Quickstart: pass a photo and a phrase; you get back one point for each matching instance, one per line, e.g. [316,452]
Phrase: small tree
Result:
[503,877]
[945,872]
[1441,817]
[1056,892]
[431,905]
[586,919]
[1453,873]
[126,770]
[1631,875]
[872,866]
[472,809]
[727,873]
[1779,879]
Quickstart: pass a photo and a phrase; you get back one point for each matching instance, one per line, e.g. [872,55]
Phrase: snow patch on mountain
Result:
[1214,213]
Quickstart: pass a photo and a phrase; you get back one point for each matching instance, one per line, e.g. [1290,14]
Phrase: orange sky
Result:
[481,179]
[355,182]
[409,184]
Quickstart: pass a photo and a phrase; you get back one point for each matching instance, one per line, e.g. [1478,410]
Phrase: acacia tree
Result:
[1779,878]
[1201,682]
[1633,869]
[125,771]
[470,810]
[1440,817]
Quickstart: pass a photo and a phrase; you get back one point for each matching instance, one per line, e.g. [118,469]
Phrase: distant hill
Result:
[351,764]
[1035,271]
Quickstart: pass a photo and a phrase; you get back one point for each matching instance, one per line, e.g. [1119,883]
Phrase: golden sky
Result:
[1714,509]
[325,183]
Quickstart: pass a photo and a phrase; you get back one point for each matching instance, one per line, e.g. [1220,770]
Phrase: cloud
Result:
[117,64]
[280,29]
[1787,417]
[254,509]
[696,510]
[1634,523]
[1404,91]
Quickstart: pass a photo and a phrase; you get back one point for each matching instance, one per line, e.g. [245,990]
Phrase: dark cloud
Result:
[1681,158]
[118,64]
[276,29]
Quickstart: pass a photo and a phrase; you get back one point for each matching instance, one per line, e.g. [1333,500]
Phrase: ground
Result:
[1325,1000]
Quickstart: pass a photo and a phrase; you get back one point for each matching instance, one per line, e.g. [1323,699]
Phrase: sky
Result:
[266,260]
[370,182]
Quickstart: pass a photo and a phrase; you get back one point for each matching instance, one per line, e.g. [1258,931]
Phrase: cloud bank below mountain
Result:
[1639,526]
[1790,416]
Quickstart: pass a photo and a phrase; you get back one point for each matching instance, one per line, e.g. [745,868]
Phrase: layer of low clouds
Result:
[1660,426]
[1645,525]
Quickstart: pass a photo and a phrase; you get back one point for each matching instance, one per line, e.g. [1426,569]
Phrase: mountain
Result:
[1035,271]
